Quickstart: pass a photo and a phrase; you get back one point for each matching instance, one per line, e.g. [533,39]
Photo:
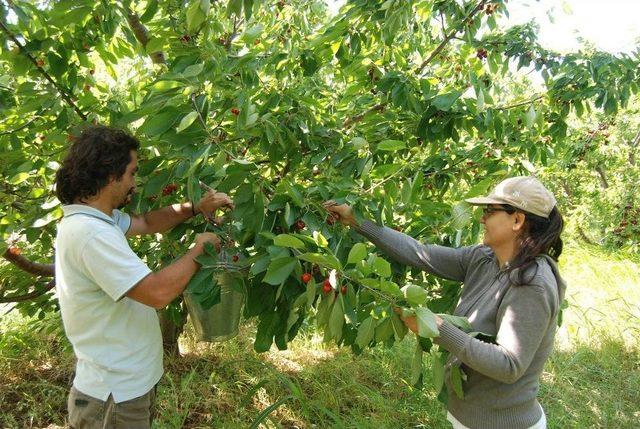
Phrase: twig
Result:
[523,103]
[234,33]
[28,296]
[21,127]
[358,118]
[455,31]
[42,71]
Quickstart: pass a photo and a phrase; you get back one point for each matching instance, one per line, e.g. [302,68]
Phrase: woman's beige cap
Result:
[525,193]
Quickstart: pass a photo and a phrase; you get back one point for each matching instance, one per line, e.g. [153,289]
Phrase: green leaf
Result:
[286,240]
[325,260]
[279,269]
[381,267]
[390,288]
[384,330]
[336,320]
[427,326]
[311,291]
[197,12]
[248,9]
[459,321]
[150,11]
[366,332]
[461,215]
[265,332]
[530,117]
[234,7]
[198,279]
[480,100]
[445,101]
[319,239]
[391,145]
[156,125]
[156,44]
[357,253]
[187,121]
[399,328]
[415,295]
[193,70]
[416,365]
[456,380]
[437,367]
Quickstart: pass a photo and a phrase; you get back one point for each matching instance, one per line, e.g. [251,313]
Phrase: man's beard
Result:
[127,199]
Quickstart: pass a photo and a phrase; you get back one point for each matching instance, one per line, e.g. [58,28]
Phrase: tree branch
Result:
[35,268]
[142,35]
[523,103]
[42,71]
[448,37]
[359,117]
[435,52]
[31,295]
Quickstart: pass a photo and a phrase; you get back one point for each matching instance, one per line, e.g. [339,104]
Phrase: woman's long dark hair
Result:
[97,155]
[541,236]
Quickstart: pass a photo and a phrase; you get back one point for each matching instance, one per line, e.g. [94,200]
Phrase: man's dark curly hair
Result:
[97,155]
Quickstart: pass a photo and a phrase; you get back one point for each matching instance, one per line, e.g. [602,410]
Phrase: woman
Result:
[512,291]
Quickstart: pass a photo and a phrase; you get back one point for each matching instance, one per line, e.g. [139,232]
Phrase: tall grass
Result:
[592,379]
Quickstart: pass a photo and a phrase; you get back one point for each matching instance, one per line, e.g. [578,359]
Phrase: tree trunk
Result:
[603,178]
[632,149]
[170,333]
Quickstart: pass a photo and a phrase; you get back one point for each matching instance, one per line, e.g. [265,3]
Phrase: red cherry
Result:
[235,258]
[40,62]
[169,189]
[326,287]
[306,277]
[235,111]
[343,290]
[300,225]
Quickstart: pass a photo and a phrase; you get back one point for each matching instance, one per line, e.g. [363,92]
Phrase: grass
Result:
[592,379]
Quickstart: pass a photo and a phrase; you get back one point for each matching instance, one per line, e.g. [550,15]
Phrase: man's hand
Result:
[341,212]
[208,237]
[212,201]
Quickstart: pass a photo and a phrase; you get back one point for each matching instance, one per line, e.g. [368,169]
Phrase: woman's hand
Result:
[212,201]
[411,322]
[341,212]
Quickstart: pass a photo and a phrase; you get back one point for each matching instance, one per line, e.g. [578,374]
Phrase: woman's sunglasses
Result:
[488,211]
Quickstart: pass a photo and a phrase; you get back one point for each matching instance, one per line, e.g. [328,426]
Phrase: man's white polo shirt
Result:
[116,339]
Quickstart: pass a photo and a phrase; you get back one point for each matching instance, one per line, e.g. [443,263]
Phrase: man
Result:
[108,296]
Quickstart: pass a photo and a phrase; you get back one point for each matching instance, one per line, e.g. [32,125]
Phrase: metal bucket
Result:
[221,322]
